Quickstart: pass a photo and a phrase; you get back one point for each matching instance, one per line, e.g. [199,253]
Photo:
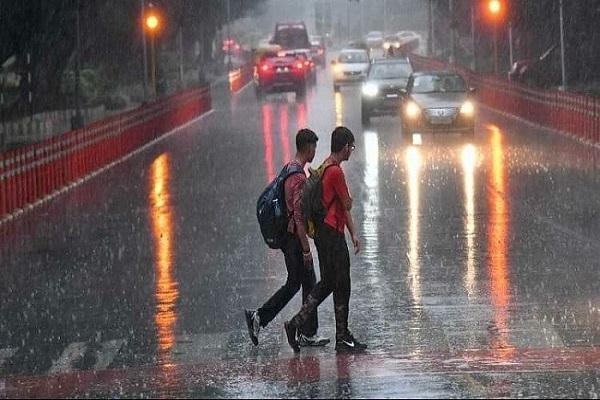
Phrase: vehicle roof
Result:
[353,50]
[425,73]
[395,60]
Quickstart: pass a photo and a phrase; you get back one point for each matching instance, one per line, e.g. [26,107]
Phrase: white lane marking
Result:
[5,354]
[72,353]
[106,355]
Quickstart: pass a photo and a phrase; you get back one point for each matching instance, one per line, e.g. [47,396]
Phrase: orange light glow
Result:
[152,22]
[498,229]
[166,290]
[495,6]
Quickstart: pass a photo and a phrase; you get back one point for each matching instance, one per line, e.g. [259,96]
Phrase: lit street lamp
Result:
[495,8]
[152,24]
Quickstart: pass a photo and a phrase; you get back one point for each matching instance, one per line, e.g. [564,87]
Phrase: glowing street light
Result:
[152,25]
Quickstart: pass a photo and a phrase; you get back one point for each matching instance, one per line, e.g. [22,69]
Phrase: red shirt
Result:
[293,194]
[335,194]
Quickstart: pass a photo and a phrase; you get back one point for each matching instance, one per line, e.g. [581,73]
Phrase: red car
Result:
[281,73]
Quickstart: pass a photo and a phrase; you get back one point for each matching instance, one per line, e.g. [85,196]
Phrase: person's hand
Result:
[308,260]
[356,244]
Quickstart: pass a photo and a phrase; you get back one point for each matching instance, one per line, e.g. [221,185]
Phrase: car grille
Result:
[352,73]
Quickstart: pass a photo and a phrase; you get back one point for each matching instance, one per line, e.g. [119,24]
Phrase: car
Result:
[351,66]
[291,36]
[318,51]
[381,92]
[374,39]
[437,102]
[280,72]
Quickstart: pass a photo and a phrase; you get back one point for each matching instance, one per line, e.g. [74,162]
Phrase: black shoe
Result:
[312,341]
[291,332]
[253,323]
[349,345]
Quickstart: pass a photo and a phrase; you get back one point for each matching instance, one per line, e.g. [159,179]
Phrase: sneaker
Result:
[349,345]
[290,332]
[312,341]
[253,323]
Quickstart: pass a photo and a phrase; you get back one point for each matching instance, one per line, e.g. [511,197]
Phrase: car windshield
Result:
[353,57]
[390,71]
[438,84]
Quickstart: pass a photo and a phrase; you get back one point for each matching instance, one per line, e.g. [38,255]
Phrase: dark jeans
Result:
[334,263]
[298,276]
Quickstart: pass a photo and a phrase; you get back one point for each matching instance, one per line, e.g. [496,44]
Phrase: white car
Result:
[350,66]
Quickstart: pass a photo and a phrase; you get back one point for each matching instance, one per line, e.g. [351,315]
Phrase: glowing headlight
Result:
[467,109]
[337,69]
[386,45]
[412,110]
[370,89]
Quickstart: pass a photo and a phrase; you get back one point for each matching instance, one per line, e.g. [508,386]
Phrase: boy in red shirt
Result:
[334,258]
[296,251]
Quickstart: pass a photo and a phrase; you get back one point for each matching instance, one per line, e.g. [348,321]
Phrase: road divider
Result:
[34,174]
[240,77]
[574,114]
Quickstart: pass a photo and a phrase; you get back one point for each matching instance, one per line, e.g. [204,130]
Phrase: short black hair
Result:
[340,137]
[304,138]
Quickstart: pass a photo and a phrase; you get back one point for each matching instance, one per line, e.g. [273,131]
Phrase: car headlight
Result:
[370,89]
[386,45]
[412,110]
[337,69]
[467,109]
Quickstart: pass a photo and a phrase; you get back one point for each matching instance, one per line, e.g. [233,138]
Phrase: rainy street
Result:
[478,275]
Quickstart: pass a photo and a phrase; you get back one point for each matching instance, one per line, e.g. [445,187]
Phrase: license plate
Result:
[282,70]
[441,121]
[392,96]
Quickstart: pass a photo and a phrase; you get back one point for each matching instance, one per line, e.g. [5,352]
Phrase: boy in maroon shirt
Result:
[296,251]
[334,258]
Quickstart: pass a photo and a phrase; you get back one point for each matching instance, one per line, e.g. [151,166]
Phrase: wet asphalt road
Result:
[479,273]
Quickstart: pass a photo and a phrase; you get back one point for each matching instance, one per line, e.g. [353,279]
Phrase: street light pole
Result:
[77,121]
[145,52]
[495,48]
[452,34]
[562,47]
[228,36]
[384,17]
[510,43]
[474,54]
[430,29]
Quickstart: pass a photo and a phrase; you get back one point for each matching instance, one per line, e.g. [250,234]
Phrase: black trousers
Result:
[334,264]
[298,276]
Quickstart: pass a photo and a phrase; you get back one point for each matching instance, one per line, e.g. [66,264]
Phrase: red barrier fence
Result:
[575,114]
[30,174]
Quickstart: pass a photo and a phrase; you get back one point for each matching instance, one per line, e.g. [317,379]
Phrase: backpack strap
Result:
[325,166]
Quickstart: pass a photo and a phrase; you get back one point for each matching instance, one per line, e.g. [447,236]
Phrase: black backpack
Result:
[271,210]
[313,210]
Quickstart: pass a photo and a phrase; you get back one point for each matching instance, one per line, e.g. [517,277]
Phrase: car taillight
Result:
[307,63]
[264,68]
[299,65]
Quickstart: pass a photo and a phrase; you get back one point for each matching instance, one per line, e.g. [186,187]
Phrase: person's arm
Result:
[352,230]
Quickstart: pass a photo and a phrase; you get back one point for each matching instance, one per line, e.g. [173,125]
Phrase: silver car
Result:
[351,66]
